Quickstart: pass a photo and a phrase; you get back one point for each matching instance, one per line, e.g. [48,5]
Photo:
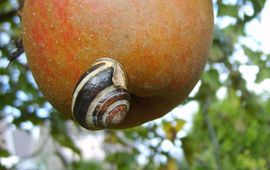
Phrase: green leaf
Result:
[211,78]
[91,165]
[228,10]
[172,128]
[263,74]
[122,160]
[4,153]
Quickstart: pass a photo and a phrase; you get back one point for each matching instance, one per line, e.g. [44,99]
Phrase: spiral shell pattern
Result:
[100,99]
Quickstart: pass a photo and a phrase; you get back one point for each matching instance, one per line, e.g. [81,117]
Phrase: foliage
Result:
[231,132]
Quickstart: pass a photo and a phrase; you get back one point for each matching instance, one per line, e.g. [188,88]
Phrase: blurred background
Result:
[223,125]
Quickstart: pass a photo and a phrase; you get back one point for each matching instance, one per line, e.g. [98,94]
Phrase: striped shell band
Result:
[100,99]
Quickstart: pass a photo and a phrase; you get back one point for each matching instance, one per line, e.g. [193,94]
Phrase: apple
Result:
[162,45]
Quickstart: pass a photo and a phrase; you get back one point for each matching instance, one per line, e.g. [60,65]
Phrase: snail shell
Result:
[100,99]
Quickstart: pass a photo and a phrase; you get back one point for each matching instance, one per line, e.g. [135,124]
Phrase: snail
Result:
[100,99]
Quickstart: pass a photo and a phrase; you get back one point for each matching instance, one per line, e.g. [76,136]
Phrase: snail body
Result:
[100,99]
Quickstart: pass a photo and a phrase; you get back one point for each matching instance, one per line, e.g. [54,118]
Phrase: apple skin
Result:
[162,45]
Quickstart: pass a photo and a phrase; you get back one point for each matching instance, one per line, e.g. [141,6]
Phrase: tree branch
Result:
[212,134]
[17,53]
[21,3]
[4,16]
